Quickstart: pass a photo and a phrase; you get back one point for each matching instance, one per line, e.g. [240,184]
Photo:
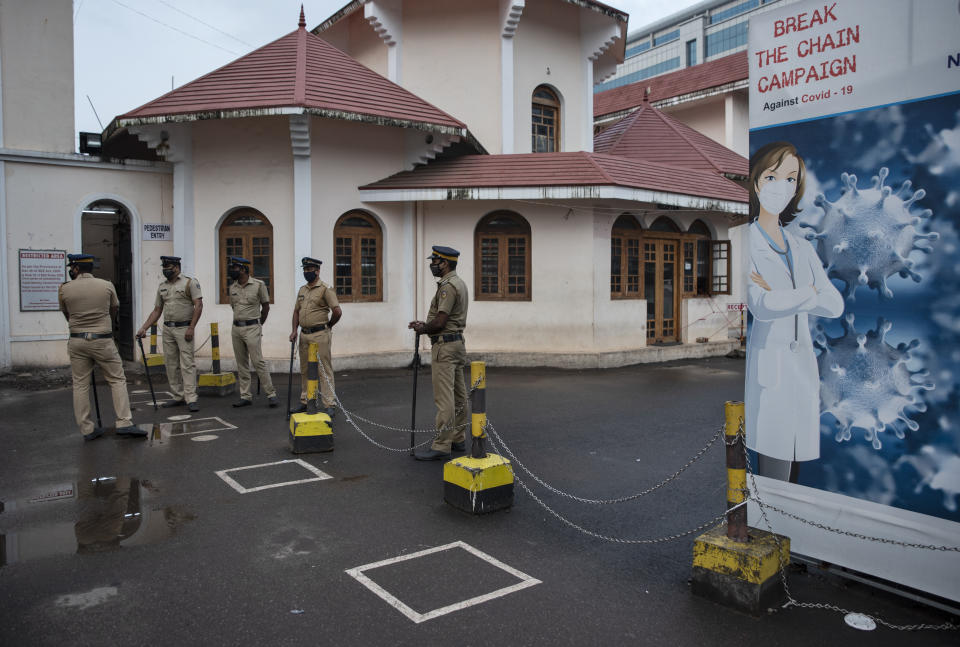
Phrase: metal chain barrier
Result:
[623,499]
[349,417]
[619,540]
[792,601]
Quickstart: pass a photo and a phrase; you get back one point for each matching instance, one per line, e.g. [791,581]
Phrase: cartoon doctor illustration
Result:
[787,283]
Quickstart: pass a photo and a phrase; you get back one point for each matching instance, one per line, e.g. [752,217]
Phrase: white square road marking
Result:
[318,476]
[162,396]
[186,424]
[358,573]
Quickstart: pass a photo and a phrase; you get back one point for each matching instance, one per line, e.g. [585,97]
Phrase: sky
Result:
[129,52]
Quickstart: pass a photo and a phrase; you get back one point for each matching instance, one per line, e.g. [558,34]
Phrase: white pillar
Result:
[510,12]
[587,121]
[184,224]
[302,189]
[5,359]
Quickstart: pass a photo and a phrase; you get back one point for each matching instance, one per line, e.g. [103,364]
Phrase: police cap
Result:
[306,260]
[237,260]
[446,253]
[170,260]
[77,259]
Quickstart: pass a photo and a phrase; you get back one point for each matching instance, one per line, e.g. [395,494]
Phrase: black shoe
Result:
[132,430]
[172,403]
[193,406]
[300,409]
[273,402]
[430,455]
[93,435]
[458,447]
[242,403]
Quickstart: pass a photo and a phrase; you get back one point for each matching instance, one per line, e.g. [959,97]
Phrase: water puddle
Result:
[109,513]
[159,433]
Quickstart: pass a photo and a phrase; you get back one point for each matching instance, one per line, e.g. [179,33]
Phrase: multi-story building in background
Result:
[705,32]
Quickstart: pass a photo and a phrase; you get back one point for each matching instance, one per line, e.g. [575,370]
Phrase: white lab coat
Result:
[782,394]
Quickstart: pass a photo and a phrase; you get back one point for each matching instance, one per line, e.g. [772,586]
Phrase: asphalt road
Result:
[201,563]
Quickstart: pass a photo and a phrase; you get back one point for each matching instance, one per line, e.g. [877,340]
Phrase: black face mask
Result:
[435,269]
[233,274]
[169,274]
[74,272]
[310,277]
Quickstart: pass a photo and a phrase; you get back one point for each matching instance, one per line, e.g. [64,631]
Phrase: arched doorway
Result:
[105,233]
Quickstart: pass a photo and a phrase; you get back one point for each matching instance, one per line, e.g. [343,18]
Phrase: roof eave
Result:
[343,115]
[372,193]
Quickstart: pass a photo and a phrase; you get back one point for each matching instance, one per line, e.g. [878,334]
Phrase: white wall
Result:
[549,38]
[354,36]
[36,38]
[44,204]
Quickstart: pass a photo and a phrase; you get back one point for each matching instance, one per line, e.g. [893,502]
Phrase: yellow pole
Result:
[478,404]
[215,347]
[736,472]
[313,378]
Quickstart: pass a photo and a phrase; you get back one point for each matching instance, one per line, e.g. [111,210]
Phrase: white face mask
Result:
[775,196]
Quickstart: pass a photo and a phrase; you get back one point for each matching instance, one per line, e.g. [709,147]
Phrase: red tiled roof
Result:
[299,70]
[562,169]
[714,74]
[649,134]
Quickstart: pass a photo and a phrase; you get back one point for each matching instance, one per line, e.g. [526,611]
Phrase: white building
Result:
[573,257]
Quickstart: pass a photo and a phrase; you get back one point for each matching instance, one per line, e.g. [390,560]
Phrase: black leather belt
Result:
[91,335]
[452,336]
[176,324]
[248,322]
[313,328]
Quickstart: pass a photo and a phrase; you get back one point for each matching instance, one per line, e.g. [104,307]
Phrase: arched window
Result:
[502,258]
[358,258]
[665,225]
[545,121]
[625,258]
[247,233]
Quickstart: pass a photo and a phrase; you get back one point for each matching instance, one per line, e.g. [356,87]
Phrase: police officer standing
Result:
[448,355]
[180,301]
[316,312]
[251,305]
[90,306]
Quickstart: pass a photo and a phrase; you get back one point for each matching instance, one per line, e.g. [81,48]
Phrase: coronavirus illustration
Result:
[866,383]
[867,235]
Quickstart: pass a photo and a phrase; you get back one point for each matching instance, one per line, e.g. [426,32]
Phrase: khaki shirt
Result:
[246,299]
[314,304]
[172,297]
[87,300]
[451,297]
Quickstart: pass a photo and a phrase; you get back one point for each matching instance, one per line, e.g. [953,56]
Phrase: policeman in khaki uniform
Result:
[448,355]
[90,306]
[251,305]
[316,312]
[180,302]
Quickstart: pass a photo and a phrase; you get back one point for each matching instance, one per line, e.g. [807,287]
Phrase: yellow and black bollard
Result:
[480,482]
[311,431]
[153,359]
[216,383]
[739,566]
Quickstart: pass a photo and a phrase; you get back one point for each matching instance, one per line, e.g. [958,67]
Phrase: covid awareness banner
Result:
[852,391]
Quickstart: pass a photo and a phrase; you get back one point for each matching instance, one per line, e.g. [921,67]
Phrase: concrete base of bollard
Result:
[478,485]
[745,576]
[310,432]
[216,383]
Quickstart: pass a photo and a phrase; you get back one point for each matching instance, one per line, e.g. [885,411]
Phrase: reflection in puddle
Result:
[112,512]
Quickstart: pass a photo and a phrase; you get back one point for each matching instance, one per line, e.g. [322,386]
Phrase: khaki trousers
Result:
[324,340]
[247,351]
[102,352]
[180,364]
[447,360]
